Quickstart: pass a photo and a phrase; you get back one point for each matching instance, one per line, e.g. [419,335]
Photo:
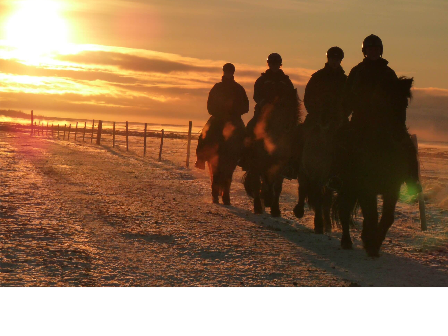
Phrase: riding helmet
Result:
[274,58]
[372,41]
[228,68]
[335,52]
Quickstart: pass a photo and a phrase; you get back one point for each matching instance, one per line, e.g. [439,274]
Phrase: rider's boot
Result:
[200,164]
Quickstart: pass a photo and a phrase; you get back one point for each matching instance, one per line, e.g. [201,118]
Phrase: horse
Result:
[223,139]
[270,150]
[376,165]
[314,172]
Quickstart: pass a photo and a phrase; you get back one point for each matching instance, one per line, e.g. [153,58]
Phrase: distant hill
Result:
[15,114]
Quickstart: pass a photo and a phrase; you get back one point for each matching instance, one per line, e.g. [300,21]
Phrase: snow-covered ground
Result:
[78,214]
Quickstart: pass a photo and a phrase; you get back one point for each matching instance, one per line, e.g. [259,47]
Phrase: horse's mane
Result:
[404,86]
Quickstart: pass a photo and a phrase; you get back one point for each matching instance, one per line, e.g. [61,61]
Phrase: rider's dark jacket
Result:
[269,84]
[363,83]
[324,93]
[227,98]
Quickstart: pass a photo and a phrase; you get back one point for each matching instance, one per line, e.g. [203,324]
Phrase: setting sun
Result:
[37,28]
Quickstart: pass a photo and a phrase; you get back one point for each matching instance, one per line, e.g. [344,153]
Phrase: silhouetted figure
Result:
[363,83]
[323,93]
[377,155]
[323,101]
[221,140]
[272,84]
[270,141]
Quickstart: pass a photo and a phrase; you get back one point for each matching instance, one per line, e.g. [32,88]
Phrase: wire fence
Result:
[121,135]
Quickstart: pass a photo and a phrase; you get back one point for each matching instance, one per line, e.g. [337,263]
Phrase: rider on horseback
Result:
[363,81]
[273,81]
[323,93]
[227,100]
[323,102]
[271,84]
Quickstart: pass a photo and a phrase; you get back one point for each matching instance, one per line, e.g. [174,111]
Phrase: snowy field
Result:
[78,214]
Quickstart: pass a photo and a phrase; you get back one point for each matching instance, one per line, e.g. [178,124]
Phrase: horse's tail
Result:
[298,106]
[335,220]
[251,181]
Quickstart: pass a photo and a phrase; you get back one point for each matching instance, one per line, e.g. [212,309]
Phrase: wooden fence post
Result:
[76,130]
[52,130]
[127,136]
[35,130]
[161,146]
[144,141]
[98,135]
[421,200]
[42,129]
[47,129]
[65,127]
[58,131]
[69,129]
[38,128]
[190,125]
[32,120]
[84,134]
[113,136]
[93,126]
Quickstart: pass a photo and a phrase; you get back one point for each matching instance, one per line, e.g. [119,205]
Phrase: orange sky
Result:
[155,61]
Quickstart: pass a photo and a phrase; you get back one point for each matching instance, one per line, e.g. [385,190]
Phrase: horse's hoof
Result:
[373,252]
[226,200]
[258,207]
[372,248]
[276,212]
[346,243]
[327,229]
[299,211]
[215,200]
[318,230]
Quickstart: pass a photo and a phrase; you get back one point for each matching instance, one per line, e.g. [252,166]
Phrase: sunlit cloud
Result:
[121,84]
[124,82]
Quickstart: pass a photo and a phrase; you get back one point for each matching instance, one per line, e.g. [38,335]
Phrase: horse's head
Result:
[390,99]
[403,87]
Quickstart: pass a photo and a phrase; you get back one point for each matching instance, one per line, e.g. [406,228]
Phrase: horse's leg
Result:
[267,192]
[346,204]
[388,216]
[214,182]
[318,218]
[227,181]
[258,206]
[299,209]
[369,233]
[326,206]
[276,190]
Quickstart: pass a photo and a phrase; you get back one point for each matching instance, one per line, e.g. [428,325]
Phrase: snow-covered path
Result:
[76,214]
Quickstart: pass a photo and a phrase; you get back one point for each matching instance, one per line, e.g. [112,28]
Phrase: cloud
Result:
[427,114]
[122,84]
[16,68]
[134,63]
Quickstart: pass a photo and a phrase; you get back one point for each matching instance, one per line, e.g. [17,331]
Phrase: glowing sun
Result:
[37,27]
